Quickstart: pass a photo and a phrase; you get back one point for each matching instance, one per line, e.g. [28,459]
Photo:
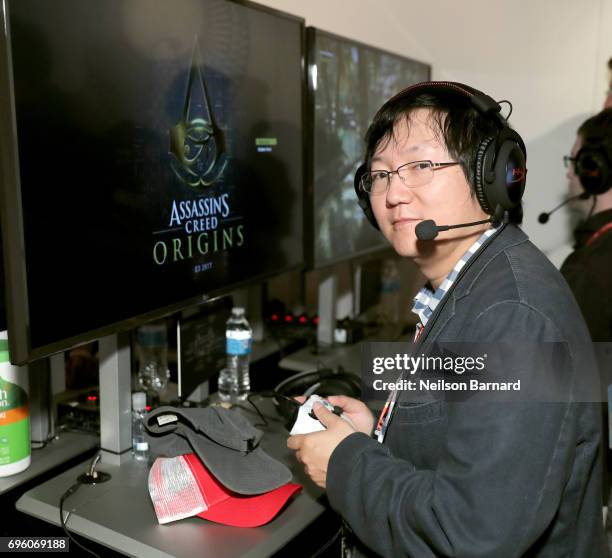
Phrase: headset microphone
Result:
[543,217]
[428,230]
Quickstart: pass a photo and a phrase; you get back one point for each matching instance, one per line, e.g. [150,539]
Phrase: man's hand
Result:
[356,411]
[314,450]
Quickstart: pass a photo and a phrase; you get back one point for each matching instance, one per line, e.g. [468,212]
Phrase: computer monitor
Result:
[151,158]
[347,83]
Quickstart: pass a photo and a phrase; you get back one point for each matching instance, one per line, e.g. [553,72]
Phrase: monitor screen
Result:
[347,83]
[158,158]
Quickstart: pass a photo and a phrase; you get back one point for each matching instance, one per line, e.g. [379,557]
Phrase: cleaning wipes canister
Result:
[14,415]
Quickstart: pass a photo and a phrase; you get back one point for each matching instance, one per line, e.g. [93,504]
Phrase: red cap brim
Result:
[230,508]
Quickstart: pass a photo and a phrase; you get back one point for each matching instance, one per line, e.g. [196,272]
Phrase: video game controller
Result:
[308,422]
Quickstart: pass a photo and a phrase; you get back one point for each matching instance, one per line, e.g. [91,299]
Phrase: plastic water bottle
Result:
[140,446]
[239,340]
[153,373]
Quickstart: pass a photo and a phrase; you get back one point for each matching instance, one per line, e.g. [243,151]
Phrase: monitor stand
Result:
[357,277]
[115,399]
[42,422]
[326,311]
[57,366]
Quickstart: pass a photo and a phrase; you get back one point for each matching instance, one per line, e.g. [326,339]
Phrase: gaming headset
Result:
[500,161]
[594,165]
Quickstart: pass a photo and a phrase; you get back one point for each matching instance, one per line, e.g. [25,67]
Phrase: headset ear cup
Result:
[500,172]
[508,186]
[480,166]
[593,170]
[363,197]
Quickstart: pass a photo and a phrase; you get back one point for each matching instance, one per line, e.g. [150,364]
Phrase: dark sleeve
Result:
[588,279]
[498,482]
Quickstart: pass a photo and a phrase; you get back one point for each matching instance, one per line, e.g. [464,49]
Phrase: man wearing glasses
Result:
[446,478]
[588,270]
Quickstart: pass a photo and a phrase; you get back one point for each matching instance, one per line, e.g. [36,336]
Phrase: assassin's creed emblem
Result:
[196,141]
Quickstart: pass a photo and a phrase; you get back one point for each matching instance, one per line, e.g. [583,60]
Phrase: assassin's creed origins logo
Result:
[204,225]
[196,141]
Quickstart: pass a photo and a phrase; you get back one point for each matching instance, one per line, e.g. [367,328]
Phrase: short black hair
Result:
[597,128]
[453,118]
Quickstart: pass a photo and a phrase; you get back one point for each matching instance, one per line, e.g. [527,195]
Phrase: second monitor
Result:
[347,83]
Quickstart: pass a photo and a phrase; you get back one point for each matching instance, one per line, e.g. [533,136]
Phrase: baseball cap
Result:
[183,487]
[224,440]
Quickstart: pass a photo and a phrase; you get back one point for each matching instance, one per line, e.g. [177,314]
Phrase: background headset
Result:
[593,165]
[499,161]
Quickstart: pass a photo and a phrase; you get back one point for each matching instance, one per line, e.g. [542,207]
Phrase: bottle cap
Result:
[139,401]
[238,310]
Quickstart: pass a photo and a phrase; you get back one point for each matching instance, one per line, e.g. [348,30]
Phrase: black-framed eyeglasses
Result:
[568,160]
[412,175]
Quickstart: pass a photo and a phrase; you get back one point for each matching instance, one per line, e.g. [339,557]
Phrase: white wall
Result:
[547,56]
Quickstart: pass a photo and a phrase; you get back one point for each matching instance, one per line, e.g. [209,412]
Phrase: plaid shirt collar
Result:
[426,300]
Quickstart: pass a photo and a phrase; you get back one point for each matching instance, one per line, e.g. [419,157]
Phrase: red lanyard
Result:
[385,415]
[598,233]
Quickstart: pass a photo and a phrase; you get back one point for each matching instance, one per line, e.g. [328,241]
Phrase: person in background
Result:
[588,269]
